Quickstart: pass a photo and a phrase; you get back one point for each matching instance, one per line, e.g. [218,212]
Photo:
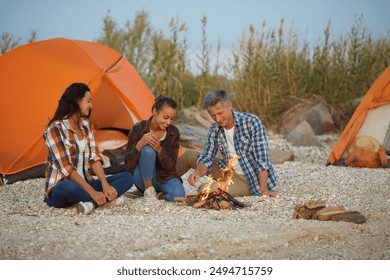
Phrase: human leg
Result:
[145,168]
[67,193]
[186,161]
[172,188]
[189,159]
[121,181]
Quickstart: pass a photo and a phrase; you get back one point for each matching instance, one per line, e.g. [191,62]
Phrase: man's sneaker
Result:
[84,207]
[150,193]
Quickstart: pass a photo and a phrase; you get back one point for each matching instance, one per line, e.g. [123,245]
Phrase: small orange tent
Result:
[32,80]
[371,117]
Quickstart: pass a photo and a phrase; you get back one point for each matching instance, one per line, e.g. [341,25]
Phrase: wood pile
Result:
[217,200]
[317,210]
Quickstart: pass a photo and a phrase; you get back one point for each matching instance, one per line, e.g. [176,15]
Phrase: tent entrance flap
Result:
[376,123]
[111,114]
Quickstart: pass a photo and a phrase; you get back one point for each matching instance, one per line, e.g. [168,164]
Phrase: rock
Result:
[279,156]
[194,116]
[303,135]
[318,116]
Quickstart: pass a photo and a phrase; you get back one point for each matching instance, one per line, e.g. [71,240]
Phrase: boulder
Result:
[279,156]
[303,135]
[318,116]
[194,116]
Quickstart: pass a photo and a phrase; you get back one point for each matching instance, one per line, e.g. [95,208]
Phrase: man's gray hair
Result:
[214,97]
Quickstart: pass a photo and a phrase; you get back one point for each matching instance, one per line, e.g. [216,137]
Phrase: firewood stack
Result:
[217,200]
[317,210]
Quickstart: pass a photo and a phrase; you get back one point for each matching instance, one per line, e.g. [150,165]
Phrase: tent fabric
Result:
[33,78]
[377,96]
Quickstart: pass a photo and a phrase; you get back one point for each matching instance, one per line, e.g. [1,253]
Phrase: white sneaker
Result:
[118,201]
[84,207]
[150,193]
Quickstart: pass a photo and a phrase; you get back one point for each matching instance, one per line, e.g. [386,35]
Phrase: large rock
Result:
[194,116]
[278,156]
[318,116]
[303,135]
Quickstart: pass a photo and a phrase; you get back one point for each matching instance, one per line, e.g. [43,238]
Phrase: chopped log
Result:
[330,209]
[328,215]
[229,197]
[225,205]
[307,213]
[198,204]
[315,204]
[298,207]
[354,217]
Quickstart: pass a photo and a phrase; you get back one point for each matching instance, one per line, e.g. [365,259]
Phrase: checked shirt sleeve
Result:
[260,145]
[59,149]
[211,148]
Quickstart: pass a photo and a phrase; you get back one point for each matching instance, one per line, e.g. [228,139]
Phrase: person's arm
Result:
[98,197]
[109,191]
[262,150]
[133,148]
[263,179]
[168,150]
[201,170]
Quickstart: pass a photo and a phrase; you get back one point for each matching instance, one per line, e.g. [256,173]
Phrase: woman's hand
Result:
[155,144]
[145,140]
[99,198]
[109,191]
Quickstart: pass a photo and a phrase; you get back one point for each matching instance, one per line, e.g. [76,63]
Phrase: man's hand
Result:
[268,193]
[193,178]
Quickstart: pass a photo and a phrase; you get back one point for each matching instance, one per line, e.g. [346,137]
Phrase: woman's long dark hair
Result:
[68,104]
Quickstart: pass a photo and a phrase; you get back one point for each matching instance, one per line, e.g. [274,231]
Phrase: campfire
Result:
[215,194]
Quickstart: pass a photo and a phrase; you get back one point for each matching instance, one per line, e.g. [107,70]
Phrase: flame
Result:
[224,182]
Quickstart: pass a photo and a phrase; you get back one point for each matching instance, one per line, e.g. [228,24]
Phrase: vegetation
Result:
[267,68]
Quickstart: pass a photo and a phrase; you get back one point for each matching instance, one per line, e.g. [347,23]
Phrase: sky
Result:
[227,19]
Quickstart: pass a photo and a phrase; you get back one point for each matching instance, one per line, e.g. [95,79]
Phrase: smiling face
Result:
[164,117]
[85,104]
[222,114]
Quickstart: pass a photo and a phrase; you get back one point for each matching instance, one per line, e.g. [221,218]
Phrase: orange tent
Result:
[34,76]
[371,117]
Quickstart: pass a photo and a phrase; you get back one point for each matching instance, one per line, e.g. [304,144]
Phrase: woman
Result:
[152,152]
[72,149]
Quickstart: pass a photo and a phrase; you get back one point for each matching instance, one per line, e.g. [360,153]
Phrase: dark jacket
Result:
[166,160]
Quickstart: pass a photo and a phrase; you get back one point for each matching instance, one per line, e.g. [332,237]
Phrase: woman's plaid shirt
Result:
[63,153]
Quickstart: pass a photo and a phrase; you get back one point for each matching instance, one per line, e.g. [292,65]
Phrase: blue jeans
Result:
[146,170]
[67,192]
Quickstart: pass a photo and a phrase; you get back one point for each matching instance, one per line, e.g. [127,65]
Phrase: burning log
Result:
[213,195]
[217,200]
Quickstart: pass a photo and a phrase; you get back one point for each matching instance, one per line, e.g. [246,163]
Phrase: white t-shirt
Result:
[232,151]
[80,166]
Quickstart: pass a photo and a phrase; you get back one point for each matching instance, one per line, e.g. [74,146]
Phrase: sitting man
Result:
[233,134]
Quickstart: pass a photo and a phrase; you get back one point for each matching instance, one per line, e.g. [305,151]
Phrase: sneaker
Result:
[84,207]
[150,193]
[118,201]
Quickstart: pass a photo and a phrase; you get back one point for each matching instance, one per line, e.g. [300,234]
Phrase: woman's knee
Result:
[148,151]
[176,189]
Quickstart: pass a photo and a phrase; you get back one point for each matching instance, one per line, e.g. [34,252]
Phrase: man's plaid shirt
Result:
[250,143]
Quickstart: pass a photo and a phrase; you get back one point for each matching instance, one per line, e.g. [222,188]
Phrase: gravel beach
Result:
[146,230]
